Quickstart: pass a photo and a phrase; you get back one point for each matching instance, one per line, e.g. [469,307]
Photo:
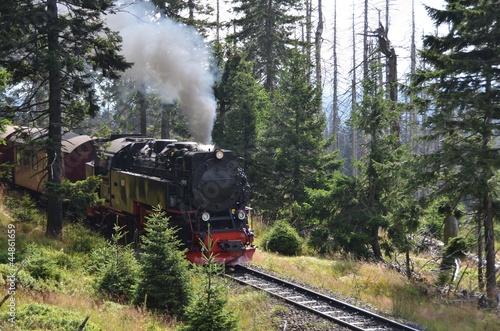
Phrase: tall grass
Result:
[383,288]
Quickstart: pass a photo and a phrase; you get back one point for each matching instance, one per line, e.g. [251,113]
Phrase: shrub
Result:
[41,263]
[164,278]
[24,209]
[46,317]
[283,238]
[81,239]
[118,271]
[207,309]
[454,250]
[23,277]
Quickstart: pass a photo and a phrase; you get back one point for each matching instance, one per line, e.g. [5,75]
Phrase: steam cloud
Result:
[172,59]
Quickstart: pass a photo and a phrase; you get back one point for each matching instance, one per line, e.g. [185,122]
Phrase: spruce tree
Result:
[55,51]
[164,275]
[463,112]
[293,136]
[242,103]
[208,309]
[265,29]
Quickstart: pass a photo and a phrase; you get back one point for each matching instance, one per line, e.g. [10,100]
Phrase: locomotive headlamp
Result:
[205,216]
[219,154]
[241,215]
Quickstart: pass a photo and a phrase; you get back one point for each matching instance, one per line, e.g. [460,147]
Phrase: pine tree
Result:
[208,310]
[463,111]
[242,101]
[164,275]
[61,51]
[294,135]
[265,29]
[373,117]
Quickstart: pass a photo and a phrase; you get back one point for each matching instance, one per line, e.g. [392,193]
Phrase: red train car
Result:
[25,152]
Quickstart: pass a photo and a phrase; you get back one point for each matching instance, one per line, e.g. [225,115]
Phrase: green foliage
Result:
[37,317]
[282,238]
[292,148]
[4,168]
[338,215]
[207,309]
[23,277]
[117,274]
[43,263]
[81,239]
[164,274]
[459,97]
[242,103]
[266,33]
[24,209]
[81,194]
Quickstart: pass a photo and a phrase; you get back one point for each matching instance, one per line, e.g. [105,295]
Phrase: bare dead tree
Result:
[317,43]
[335,123]
[353,97]
[392,73]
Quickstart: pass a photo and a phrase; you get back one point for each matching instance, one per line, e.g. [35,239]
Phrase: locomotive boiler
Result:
[204,192]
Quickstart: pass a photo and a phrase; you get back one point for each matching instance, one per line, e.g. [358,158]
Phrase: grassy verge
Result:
[56,285]
[385,289]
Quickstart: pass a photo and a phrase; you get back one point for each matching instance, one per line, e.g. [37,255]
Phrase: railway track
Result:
[331,309]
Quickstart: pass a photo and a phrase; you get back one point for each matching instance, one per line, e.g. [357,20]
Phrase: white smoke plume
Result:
[172,59]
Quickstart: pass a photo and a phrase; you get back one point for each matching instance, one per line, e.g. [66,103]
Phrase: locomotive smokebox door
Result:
[215,185]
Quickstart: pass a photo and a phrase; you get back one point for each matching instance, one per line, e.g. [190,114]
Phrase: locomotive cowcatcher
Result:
[203,191]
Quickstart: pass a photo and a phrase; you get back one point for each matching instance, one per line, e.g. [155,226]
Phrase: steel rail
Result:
[339,312]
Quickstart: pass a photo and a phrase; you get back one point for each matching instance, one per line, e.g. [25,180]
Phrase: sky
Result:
[400,25]
[172,59]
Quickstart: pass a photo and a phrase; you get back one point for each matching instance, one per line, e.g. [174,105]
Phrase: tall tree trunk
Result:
[317,43]
[270,74]
[480,247]
[365,44]
[489,213]
[217,26]
[308,42]
[335,123]
[489,236]
[165,123]
[353,99]
[392,76]
[413,66]
[54,167]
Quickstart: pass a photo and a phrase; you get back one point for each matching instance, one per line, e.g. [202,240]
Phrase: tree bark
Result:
[54,167]
[143,108]
[353,99]
[317,42]
[489,236]
[392,76]
[335,123]
[450,228]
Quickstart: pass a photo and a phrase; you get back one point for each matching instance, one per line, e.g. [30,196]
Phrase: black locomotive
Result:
[196,186]
[204,192]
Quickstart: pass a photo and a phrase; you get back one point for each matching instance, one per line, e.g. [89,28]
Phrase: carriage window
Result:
[26,159]
[18,159]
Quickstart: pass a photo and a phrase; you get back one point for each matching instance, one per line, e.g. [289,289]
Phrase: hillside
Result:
[56,287]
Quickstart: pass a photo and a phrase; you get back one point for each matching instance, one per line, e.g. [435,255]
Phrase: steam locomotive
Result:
[203,191]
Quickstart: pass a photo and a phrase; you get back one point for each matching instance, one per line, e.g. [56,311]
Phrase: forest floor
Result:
[64,290]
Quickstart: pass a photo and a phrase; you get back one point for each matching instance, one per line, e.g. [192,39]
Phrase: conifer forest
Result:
[366,126]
